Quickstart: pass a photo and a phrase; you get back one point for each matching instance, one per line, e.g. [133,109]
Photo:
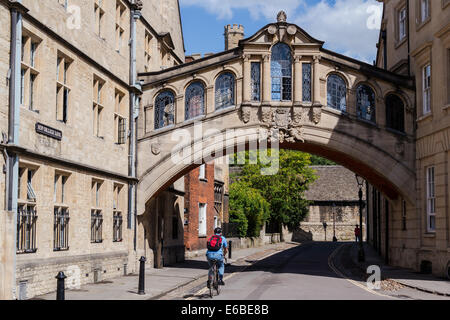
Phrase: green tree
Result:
[319,161]
[249,203]
[284,188]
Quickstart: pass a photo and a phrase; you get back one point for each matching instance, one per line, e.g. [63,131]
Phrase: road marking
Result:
[333,267]
[202,291]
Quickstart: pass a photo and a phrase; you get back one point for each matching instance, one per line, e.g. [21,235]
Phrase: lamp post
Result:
[334,223]
[361,255]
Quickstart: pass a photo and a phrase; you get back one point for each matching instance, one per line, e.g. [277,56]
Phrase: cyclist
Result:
[217,249]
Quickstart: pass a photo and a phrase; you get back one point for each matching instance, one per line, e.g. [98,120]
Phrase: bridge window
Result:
[306,79]
[365,103]
[281,72]
[336,92]
[224,91]
[195,100]
[164,109]
[256,81]
[395,113]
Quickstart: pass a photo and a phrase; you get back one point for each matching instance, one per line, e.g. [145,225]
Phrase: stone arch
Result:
[227,68]
[389,175]
[189,80]
[167,87]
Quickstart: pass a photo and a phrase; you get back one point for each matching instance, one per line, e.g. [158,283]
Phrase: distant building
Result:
[335,202]
[206,200]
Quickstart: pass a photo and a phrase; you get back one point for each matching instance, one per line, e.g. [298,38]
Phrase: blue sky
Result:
[349,27]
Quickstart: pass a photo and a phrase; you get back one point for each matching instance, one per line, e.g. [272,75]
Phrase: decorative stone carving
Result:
[266,115]
[292,30]
[285,128]
[245,113]
[272,29]
[297,117]
[316,114]
[156,149]
[400,148]
[282,118]
[281,17]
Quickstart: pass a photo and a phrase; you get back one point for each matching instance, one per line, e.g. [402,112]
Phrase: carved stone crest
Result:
[285,128]
[282,118]
[156,148]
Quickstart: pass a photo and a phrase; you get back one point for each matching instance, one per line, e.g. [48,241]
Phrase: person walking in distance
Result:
[357,233]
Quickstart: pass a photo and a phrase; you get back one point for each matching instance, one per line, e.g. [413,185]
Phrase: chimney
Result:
[232,36]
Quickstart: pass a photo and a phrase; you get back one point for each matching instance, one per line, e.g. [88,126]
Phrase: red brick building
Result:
[205,196]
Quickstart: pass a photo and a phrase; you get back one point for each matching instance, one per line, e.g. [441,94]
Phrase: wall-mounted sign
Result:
[48,131]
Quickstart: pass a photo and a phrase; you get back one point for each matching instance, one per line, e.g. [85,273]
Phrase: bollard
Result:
[141,289]
[229,249]
[60,287]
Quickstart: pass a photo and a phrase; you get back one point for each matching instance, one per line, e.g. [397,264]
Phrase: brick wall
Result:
[198,191]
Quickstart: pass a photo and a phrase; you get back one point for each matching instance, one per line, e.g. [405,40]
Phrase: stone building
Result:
[206,204]
[415,41]
[69,100]
[335,202]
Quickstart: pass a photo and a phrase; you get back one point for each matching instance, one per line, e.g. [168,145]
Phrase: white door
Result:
[202,219]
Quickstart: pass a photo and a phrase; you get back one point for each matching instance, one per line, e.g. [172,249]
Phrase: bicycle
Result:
[214,279]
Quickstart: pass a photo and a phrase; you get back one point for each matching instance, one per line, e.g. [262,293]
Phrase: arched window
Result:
[395,113]
[281,72]
[164,109]
[365,103]
[337,93]
[224,91]
[195,100]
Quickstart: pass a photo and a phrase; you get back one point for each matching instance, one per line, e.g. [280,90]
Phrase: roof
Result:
[334,183]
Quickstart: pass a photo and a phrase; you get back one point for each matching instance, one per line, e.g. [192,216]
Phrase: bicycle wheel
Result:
[216,283]
[211,281]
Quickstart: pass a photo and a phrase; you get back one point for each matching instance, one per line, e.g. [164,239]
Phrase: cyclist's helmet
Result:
[218,230]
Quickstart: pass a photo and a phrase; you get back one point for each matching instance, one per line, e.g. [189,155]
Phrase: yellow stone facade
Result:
[74,127]
[417,36]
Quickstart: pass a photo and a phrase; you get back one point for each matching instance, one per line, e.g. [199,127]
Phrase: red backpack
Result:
[214,243]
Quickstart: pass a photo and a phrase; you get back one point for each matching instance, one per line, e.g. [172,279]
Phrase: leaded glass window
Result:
[195,100]
[256,81]
[164,109]
[306,80]
[336,93]
[365,103]
[395,117]
[281,72]
[224,91]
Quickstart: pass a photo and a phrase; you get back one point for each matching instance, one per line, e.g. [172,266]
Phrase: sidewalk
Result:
[157,281]
[406,277]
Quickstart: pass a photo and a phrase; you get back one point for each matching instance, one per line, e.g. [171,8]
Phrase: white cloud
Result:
[257,8]
[350,27]
[346,27]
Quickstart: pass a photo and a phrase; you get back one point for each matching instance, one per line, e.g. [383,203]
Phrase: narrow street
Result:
[303,272]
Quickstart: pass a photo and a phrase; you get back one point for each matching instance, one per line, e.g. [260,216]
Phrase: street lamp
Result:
[334,223]
[361,255]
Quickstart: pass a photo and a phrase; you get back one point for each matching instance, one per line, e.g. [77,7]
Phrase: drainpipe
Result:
[14,122]
[135,15]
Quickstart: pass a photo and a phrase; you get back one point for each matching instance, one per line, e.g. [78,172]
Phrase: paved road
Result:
[300,273]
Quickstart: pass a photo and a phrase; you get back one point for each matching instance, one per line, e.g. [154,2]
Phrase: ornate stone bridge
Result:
[282,83]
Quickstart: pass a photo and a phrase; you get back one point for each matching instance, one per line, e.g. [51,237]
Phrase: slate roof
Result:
[334,183]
